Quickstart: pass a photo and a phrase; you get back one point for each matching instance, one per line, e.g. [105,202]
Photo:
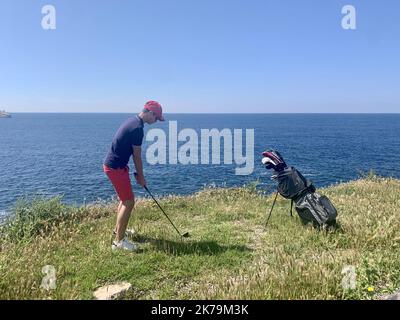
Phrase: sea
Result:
[61,154]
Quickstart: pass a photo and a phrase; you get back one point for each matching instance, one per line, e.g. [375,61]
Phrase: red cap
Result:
[156,108]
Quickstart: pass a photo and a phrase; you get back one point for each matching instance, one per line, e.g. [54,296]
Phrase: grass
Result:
[229,255]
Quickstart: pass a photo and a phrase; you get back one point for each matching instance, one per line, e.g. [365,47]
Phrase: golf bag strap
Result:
[291,208]
[272,208]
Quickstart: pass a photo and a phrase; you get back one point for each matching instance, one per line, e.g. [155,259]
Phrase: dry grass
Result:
[229,256]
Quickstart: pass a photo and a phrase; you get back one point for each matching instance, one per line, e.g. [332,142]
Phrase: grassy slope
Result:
[229,255]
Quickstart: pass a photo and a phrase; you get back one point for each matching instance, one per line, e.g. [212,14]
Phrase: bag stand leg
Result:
[291,208]
[272,208]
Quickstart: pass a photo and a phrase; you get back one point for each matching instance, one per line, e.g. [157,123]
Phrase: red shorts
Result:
[121,182]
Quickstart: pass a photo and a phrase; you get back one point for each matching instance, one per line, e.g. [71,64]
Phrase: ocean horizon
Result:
[208,113]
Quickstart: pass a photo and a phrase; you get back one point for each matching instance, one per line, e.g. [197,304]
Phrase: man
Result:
[128,141]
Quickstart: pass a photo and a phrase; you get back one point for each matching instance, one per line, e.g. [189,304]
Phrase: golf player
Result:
[126,142]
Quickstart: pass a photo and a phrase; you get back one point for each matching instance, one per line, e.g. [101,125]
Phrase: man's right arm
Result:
[137,160]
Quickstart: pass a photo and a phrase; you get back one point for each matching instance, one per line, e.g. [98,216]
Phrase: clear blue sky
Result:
[200,56]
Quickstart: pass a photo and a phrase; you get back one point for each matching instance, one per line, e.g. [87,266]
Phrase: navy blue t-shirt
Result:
[129,134]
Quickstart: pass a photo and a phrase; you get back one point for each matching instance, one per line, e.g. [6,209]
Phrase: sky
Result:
[200,56]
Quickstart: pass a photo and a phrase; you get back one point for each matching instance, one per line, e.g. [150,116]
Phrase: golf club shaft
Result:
[162,210]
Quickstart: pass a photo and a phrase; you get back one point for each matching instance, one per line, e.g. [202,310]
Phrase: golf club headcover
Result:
[275,159]
[269,164]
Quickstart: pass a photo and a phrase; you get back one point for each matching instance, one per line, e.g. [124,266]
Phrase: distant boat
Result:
[4,114]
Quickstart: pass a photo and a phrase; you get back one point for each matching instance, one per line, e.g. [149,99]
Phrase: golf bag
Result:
[310,206]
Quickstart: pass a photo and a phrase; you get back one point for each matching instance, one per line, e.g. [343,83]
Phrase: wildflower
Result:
[371,289]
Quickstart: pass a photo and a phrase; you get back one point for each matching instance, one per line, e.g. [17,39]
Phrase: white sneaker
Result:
[124,244]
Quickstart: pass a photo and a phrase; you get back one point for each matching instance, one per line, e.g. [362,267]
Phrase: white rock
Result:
[395,296]
[112,291]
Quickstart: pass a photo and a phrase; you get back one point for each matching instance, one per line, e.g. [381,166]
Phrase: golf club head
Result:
[186,235]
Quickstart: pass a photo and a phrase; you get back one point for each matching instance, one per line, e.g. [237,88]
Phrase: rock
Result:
[395,296]
[111,292]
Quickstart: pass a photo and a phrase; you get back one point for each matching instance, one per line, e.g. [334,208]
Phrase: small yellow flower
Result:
[371,289]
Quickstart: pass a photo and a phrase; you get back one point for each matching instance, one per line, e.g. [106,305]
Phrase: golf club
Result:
[186,234]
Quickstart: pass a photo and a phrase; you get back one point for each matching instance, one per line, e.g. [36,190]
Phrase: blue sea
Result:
[62,154]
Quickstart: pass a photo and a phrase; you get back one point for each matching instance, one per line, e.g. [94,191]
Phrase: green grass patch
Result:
[228,256]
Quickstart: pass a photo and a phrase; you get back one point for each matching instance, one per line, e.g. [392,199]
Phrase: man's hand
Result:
[140,179]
